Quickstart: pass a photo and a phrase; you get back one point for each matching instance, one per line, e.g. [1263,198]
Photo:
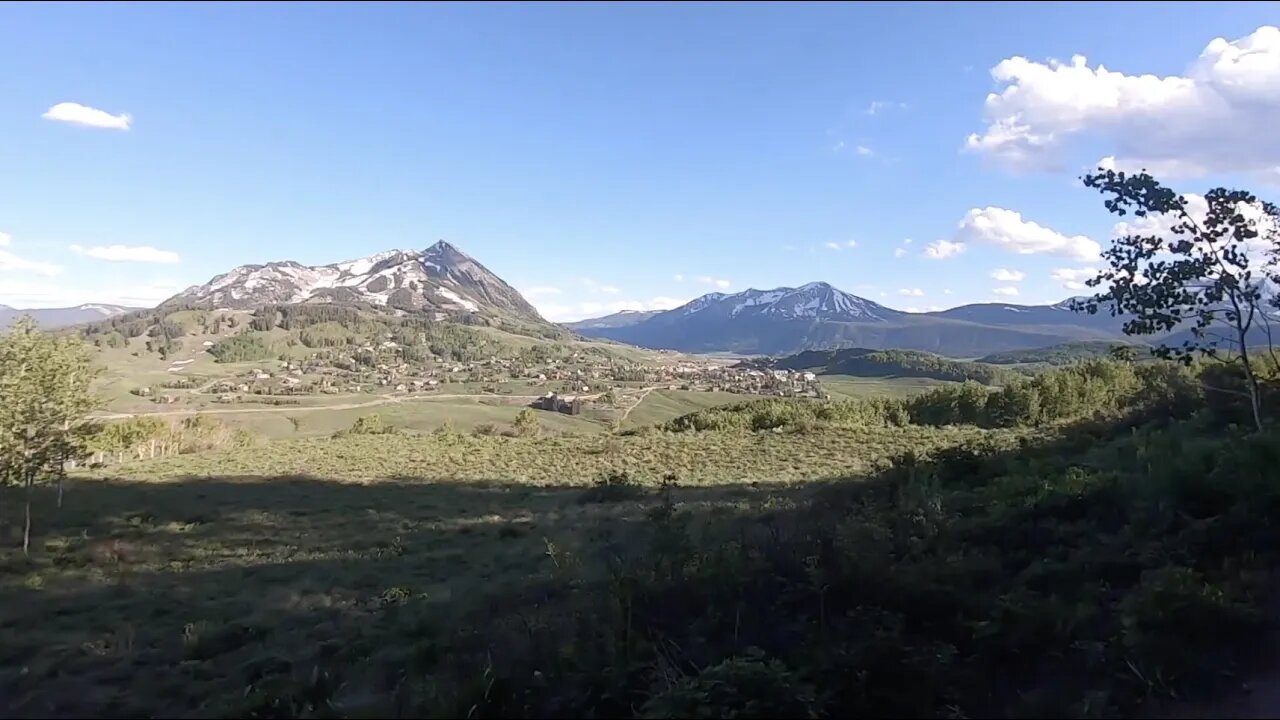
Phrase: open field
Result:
[848,387]
[196,577]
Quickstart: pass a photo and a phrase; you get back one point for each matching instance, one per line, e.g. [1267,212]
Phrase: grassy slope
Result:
[848,387]
[660,406]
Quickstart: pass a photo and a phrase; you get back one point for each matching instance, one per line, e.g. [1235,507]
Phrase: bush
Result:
[368,425]
[526,424]
[612,487]
[752,686]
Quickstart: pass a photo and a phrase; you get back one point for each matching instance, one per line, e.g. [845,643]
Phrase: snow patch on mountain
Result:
[446,292]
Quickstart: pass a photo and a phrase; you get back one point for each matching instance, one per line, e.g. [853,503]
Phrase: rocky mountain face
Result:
[441,278]
[818,316]
[62,317]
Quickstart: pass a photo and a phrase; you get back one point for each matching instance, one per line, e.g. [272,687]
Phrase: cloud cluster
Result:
[126,253]
[1218,117]
[1074,278]
[943,249]
[1007,230]
[1009,291]
[714,282]
[1006,275]
[911,292]
[83,115]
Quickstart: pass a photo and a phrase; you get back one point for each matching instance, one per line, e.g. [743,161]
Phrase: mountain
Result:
[441,278]
[818,316]
[616,320]
[62,317]
[1005,314]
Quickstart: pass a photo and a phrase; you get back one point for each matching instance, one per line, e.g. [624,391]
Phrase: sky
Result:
[602,157]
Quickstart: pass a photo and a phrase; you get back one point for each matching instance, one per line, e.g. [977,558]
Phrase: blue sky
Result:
[593,154]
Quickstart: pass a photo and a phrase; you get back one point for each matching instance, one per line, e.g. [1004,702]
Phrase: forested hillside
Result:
[862,362]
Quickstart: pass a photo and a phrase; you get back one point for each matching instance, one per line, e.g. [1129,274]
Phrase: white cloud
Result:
[911,292]
[10,261]
[1006,275]
[943,249]
[540,291]
[77,114]
[722,284]
[579,311]
[125,253]
[832,246]
[26,294]
[947,291]
[879,106]
[1218,117]
[864,151]
[851,244]
[1006,229]
[1073,278]
[678,277]
[1161,225]
[1006,291]
[597,287]
[899,252]
[907,241]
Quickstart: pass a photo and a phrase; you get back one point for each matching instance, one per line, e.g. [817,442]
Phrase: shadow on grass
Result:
[979,581]
[165,598]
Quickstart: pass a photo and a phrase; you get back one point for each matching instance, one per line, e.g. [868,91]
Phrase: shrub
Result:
[526,424]
[612,487]
[368,425]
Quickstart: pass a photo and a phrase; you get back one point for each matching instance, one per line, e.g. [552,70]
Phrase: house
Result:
[809,377]
[207,343]
[262,376]
[569,405]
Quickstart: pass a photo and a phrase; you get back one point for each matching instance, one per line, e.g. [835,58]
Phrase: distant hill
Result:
[818,316]
[864,362]
[62,317]
[1063,354]
[616,320]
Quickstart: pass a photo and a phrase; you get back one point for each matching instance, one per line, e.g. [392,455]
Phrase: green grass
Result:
[848,387]
[711,458]
[174,586]
[660,406]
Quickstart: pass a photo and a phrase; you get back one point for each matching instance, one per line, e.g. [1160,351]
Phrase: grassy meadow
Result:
[1092,542]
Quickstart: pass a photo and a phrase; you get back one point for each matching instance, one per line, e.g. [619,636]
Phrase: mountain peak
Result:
[443,248]
[441,278]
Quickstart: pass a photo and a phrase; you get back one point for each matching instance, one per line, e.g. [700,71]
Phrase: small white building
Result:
[809,377]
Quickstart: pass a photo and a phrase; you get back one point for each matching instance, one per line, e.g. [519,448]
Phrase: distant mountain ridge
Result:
[441,278]
[818,316]
[62,317]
